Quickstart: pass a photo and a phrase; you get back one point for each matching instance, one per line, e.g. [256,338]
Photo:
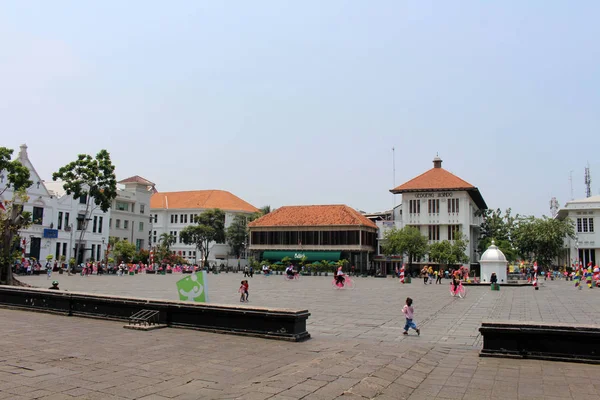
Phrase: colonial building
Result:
[69,220]
[585,247]
[319,232]
[438,203]
[57,220]
[130,212]
[173,211]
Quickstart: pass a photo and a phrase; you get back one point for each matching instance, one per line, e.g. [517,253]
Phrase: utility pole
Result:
[588,182]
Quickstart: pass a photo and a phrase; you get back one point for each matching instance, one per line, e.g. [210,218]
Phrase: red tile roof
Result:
[326,215]
[200,199]
[434,179]
[437,178]
[137,179]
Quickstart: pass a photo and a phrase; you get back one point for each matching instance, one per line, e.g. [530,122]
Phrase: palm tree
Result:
[166,239]
[265,210]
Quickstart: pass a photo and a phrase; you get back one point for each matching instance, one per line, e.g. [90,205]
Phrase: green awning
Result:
[297,255]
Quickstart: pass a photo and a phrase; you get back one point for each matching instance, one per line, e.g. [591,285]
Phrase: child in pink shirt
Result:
[409,313]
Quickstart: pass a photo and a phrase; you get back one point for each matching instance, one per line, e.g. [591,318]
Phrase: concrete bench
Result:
[538,340]
[282,324]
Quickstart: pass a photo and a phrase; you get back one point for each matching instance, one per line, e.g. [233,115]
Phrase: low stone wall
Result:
[280,324]
[559,342]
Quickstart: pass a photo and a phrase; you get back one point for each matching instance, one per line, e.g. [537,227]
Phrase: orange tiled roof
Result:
[200,199]
[137,179]
[434,179]
[327,215]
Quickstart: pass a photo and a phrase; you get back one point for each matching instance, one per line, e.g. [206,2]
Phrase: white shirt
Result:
[340,272]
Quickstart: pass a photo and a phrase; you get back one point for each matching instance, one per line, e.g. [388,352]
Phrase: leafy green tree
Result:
[265,210]
[500,228]
[542,239]
[406,241]
[441,252]
[124,251]
[459,249]
[12,216]
[92,179]
[237,234]
[210,228]
[141,256]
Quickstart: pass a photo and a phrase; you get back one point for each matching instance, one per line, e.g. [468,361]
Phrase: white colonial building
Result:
[173,211]
[57,220]
[438,203]
[130,212]
[585,247]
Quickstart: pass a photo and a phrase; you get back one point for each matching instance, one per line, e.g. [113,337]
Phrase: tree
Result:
[441,252]
[237,234]
[406,241]
[210,228]
[264,210]
[499,228]
[141,256]
[124,251]
[166,240]
[92,179]
[542,239]
[12,216]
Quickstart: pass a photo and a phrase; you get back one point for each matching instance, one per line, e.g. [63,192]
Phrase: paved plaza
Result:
[357,350]
[372,311]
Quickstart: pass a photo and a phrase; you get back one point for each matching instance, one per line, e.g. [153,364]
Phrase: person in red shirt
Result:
[244,291]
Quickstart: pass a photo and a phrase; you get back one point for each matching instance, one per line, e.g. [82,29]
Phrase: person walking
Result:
[409,313]
[438,278]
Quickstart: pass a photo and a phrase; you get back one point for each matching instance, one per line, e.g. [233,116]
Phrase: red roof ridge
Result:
[314,215]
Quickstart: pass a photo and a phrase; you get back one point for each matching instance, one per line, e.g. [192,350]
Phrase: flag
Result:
[2,206]
[193,288]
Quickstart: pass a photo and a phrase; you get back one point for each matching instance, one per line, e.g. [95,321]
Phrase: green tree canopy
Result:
[124,251]
[237,234]
[210,228]
[542,239]
[92,179]
[407,240]
[498,227]
[12,216]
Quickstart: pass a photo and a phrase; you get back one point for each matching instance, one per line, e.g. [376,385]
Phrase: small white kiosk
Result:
[493,260]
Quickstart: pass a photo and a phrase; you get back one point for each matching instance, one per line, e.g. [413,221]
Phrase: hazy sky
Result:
[301,102]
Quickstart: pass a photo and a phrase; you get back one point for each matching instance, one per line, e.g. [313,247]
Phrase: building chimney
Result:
[437,162]
[23,153]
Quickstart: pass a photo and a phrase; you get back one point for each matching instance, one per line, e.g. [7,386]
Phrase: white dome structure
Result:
[493,260]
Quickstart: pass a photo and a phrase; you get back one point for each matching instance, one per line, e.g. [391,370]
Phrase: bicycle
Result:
[461,291]
[295,277]
[348,283]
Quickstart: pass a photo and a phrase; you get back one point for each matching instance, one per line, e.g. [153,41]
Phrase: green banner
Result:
[193,288]
[297,255]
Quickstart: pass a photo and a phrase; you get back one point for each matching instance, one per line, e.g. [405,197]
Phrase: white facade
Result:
[54,213]
[438,211]
[130,212]
[585,247]
[173,221]
[69,220]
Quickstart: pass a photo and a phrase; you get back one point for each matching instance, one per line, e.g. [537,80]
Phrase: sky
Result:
[286,103]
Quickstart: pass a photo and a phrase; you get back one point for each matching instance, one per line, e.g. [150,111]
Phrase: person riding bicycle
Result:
[455,280]
[289,271]
[339,277]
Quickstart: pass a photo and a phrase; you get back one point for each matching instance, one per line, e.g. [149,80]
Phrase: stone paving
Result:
[372,310]
[357,350]
[54,357]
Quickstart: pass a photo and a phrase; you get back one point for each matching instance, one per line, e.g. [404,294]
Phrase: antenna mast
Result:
[571,183]
[588,182]
[394,179]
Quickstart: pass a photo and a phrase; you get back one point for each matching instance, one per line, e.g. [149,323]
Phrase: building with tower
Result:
[438,203]
[585,247]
